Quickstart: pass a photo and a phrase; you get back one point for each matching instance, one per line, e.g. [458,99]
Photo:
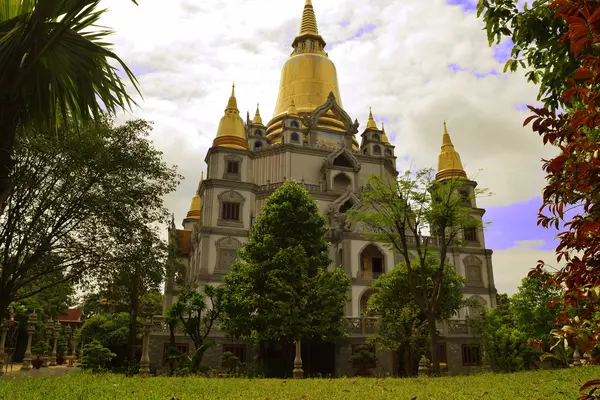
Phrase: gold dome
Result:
[449,164]
[196,205]
[257,118]
[307,78]
[231,132]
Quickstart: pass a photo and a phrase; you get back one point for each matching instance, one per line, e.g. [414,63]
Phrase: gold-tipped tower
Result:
[449,164]
[196,205]
[231,132]
[257,118]
[307,78]
[371,124]
[384,137]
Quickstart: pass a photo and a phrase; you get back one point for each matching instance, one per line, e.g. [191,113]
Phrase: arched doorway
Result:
[364,300]
[371,262]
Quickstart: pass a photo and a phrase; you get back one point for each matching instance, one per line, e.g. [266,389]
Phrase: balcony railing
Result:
[369,275]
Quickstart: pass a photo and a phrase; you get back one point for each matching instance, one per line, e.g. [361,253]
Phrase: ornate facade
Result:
[312,140]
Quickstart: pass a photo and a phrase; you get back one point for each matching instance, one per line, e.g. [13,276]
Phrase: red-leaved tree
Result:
[574,182]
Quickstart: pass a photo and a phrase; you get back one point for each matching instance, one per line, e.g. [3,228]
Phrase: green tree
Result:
[538,47]
[73,200]
[280,288]
[398,212]
[507,330]
[196,312]
[112,331]
[56,66]
[402,326]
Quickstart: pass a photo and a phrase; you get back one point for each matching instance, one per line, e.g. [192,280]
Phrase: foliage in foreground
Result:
[563,35]
[396,213]
[402,326]
[547,385]
[96,357]
[280,288]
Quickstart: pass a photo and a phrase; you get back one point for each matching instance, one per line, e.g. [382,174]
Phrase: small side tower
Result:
[292,127]
[256,131]
[372,143]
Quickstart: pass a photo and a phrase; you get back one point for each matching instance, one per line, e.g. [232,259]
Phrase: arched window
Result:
[295,124]
[364,301]
[341,183]
[371,262]
[312,44]
[295,137]
[376,150]
[257,145]
[376,137]
[388,152]
[257,132]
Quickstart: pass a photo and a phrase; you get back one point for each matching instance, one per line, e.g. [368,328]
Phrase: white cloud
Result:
[400,69]
[512,265]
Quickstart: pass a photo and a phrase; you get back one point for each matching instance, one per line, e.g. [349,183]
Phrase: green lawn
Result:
[559,384]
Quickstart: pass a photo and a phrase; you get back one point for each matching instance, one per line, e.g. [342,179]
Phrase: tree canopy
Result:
[57,68]
[397,213]
[280,288]
[402,325]
[74,201]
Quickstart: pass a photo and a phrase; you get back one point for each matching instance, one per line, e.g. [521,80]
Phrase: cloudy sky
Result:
[416,63]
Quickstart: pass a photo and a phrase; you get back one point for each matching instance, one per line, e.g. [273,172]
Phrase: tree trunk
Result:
[435,362]
[8,129]
[134,305]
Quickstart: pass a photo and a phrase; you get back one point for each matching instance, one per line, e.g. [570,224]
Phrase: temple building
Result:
[312,140]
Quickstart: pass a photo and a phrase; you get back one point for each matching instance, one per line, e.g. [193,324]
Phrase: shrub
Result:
[363,357]
[96,357]
[231,362]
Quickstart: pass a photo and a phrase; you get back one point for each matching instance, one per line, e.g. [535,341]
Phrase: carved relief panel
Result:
[227,249]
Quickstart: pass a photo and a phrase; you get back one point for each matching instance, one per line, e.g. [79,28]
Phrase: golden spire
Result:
[292,109]
[449,164]
[231,132]
[371,124]
[384,137]
[196,205]
[257,118]
[309,20]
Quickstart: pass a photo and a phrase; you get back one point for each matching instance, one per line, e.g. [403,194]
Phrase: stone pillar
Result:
[3,331]
[298,371]
[423,368]
[31,323]
[145,360]
[576,358]
[48,333]
[55,333]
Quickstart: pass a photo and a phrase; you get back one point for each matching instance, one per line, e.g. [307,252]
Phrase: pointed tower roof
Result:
[371,124]
[308,26]
[384,137]
[257,118]
[449,164]
[231,132]
[196,205]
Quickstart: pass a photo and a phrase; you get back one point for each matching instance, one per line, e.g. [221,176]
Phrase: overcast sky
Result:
[415,62]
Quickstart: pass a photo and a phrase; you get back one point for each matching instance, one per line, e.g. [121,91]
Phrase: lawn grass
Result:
[556,384]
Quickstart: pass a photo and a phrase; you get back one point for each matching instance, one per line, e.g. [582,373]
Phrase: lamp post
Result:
[55,333]
[298,371]
[31,323]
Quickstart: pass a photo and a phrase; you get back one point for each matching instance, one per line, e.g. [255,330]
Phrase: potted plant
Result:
[363,359]
[39,350]
[61,349]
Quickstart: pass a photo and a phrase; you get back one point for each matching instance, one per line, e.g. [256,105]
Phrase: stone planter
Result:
[70,361]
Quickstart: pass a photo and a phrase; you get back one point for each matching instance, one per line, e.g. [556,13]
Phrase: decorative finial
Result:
[449,162]
[233,90]
[292,111]
[257,118]
[371,124]
[382,127]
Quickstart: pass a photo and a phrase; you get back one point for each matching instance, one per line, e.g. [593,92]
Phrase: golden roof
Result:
[257,118]
[231,132]
[371,124]
[449,164]
[307,78]
[384,137]
[196,205]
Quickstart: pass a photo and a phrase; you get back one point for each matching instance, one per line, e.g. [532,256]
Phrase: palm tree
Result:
[55,67]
